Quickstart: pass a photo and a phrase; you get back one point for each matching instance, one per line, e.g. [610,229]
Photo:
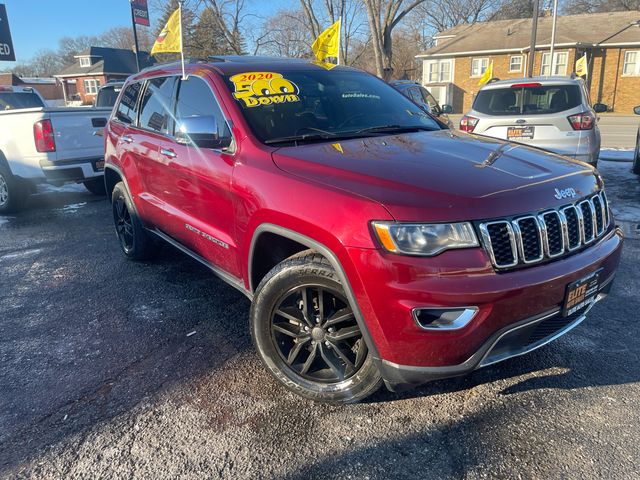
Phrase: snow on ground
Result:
[617,154]
[67,188]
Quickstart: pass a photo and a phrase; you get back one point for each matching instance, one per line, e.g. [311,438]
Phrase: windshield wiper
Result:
[300,138]
[392,128]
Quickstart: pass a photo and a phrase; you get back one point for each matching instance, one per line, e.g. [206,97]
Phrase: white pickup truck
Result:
[39,144]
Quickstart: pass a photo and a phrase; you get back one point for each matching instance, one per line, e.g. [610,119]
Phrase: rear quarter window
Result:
[542,100]
[126,111]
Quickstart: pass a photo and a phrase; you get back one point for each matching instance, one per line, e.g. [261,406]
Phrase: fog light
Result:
[444,318]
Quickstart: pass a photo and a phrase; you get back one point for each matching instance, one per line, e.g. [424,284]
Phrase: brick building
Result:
[48,88]
[95,67]
[453,67]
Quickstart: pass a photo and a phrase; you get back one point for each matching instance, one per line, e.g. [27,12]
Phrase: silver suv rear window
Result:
[528,100]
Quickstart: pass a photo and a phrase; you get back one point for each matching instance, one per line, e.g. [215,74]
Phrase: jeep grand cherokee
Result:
[374,245]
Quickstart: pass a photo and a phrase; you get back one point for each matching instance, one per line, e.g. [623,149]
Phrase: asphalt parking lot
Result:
[112,369]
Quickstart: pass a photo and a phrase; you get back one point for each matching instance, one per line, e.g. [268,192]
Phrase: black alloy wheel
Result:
[134,240]
[124,225]
[307,334]
[316,334]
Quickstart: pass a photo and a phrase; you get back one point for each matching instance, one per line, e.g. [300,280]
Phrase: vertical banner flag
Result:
[170,38]
[140,12]
[582,66]
[328,43]
[6,45]
[487,75]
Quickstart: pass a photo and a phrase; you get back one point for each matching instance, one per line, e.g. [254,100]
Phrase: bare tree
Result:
[594,6]
[441,15]
[318,15]
[286,35]
[384,16]
[230,17]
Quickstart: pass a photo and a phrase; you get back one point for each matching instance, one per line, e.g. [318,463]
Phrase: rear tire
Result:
[96,186]
[135,242]
[13,192]
[306,333]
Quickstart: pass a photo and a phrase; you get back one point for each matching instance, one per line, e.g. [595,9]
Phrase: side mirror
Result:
[446,108]
[201,131]
[637,110]
[599,108]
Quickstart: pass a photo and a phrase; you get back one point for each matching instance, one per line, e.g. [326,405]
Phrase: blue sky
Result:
[38,24]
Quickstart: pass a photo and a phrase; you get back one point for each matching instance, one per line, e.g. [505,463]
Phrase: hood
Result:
[443,175]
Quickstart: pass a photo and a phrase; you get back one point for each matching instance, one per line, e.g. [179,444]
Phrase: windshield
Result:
[317,105]
[537,100]
[107,96]
[15,100]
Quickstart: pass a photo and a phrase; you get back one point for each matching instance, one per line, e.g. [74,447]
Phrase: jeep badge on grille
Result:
[566,193]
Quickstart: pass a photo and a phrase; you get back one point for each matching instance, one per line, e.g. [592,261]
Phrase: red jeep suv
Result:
[375,244]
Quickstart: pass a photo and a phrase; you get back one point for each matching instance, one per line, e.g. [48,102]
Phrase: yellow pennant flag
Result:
[487,75]
[582,66]
[328,43]
[170,38]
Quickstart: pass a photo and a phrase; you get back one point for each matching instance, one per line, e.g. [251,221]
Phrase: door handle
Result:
[126,139]
[168,153]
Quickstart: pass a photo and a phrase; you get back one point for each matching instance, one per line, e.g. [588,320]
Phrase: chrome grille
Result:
[548,234]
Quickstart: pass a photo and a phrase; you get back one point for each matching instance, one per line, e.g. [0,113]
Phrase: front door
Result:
[201,180]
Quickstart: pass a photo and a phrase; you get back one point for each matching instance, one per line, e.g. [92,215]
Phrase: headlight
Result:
[424,239]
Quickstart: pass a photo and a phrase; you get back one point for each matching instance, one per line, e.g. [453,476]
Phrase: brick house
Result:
[452,68]
[95,67]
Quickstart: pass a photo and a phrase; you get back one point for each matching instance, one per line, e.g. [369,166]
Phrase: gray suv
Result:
[553,113]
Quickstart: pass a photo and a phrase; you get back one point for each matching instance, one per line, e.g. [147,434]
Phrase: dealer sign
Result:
[6,45]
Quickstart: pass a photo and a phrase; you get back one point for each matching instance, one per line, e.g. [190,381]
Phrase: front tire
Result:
[306,333]
[135,242]
[96,186]
[13,192]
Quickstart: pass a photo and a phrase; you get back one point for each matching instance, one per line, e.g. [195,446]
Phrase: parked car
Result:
[552,113]
[108,94]
[40,144]
[423,97]
[375,244]
[636,157]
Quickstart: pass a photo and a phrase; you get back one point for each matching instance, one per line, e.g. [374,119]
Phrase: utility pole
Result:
[553,38]
[534,33]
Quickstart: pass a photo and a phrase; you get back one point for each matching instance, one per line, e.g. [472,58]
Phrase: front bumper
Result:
[389,287]
[512,341]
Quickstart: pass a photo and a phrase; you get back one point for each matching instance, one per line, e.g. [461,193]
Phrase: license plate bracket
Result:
[581,293]
[514,133]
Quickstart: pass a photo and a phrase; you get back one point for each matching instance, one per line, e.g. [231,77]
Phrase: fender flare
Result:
[333,260]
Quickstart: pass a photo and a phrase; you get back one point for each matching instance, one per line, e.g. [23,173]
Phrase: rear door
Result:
[146,139]
[530,113]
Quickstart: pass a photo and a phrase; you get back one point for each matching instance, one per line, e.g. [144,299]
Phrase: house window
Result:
[91,87]
[631,63]
[479,66]
[85,62]
[515,63]
[438,71]
[561,60]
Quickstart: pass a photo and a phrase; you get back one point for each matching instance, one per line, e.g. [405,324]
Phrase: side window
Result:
[428,99]
[195,99]
[414,94]
[126,111]
[155,108]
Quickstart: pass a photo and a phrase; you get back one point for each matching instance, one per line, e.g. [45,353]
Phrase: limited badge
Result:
[263,88]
